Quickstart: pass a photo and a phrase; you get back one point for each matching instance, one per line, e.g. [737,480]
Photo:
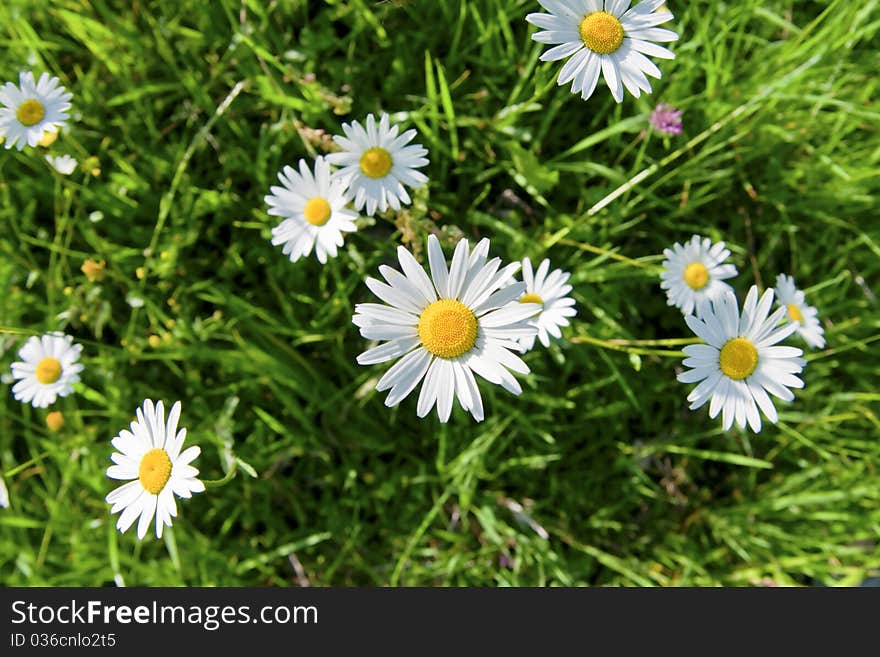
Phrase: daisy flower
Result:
[313,207]
[447,327]
[31,109]
[611,39]
[376,164]
[149,455]
[48,369]
[549,291]
[739,364]
[63,164]
[797,310]
[694,273]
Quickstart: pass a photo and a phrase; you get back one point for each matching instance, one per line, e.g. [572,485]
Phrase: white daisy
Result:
[150,456]
[460,321]
[32,108]
[313,207]
[48,369]
[694,273]
[63,164]
[376,164]
[797,310]
[739,364]
[612,40]
[549,291]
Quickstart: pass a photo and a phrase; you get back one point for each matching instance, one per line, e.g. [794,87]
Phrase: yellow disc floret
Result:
[601,32]
[696,275]
[794,313]
[48,370]
[376,162]
[317,211]
[738,359]
[155,470]
[30,112]
[448,328]
[531,297]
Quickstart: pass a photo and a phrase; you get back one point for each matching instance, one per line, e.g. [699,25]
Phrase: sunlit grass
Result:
[598,473]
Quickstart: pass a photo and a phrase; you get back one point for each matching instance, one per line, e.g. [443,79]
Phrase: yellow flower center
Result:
[531,297]
[601,32]
[155,470]
[48,371]
[376,162]
[448,328]
[30,112]
[794,313]
[317,211]
[738,359]
[696,275]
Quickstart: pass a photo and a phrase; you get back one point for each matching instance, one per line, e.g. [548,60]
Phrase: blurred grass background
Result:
[598,474]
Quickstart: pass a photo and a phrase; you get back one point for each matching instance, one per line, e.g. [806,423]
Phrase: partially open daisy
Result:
[694,273]
[739,364]
[48,369]
[609,39]
[805,316]
[376,164]
[63,164]
[550,292]
[32,108]
[149,455]
[313,207]
[460,321]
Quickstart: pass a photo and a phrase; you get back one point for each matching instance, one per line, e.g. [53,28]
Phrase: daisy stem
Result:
[168,198]
[23,466]
[611,254]
[623,345]
[217,483]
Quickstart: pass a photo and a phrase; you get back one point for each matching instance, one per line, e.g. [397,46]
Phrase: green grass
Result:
[598,474]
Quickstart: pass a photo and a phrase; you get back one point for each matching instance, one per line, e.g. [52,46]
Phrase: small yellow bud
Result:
[140,272]
[48,138]
[154,341]
[92,165]
[55,420]
[93,270]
